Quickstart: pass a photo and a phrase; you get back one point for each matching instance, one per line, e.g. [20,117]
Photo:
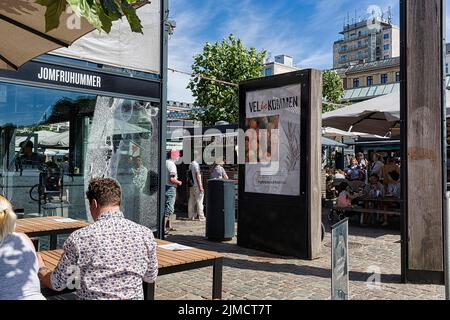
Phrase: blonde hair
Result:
[7,218]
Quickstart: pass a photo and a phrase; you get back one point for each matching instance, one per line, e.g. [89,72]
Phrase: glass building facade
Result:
[56,135]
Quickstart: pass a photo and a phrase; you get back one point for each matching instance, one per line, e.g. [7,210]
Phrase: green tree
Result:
[333,90]
[99,13]
[230,62]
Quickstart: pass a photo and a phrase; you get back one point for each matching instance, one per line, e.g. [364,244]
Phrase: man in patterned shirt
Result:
[110,258]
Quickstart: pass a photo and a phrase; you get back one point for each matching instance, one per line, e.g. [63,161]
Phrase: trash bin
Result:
[220,211]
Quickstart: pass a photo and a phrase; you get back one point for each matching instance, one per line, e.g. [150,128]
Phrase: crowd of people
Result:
[379,178]
[194,183]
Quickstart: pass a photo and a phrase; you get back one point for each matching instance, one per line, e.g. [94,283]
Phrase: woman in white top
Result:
[18,261]
[377,165]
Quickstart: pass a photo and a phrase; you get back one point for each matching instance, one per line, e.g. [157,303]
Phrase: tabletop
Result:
[48,224]
[166,258]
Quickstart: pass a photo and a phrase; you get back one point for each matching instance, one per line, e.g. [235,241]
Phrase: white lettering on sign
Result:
[70,77]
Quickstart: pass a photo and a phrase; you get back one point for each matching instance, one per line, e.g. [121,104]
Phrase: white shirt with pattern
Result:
[113,256]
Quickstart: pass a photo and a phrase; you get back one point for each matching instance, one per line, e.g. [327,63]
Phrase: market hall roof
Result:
[374,65]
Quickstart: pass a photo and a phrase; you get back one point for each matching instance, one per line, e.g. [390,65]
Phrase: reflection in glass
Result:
[53,142]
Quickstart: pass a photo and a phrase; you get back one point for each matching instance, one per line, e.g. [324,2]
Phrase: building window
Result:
[356,83]
[386,36]
[344,58]
[386,57]
[446,68]
[370,81]
[384,78]
[387,47]
[268,72]
[344,48]
[397,76]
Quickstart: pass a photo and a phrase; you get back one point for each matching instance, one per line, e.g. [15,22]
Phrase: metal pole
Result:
[163,116]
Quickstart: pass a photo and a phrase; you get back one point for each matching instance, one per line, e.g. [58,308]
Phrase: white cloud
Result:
[176,88]
[277,26]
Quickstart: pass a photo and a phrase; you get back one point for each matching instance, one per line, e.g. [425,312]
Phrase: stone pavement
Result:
[255,275]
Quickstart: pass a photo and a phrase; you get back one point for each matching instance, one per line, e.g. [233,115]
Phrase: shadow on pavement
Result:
[201,242]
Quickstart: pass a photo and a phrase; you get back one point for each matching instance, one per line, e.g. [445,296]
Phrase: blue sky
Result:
[303,29]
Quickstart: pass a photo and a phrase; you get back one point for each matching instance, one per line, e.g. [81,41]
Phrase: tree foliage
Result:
[227,61]
[333,90]
[99,13]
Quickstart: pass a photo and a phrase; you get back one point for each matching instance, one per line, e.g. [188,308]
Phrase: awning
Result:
[23,36]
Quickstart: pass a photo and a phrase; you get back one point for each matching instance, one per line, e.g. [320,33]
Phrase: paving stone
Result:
[254,275]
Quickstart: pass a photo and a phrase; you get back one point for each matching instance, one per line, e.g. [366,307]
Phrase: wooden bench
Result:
[48,226]
[363,211]
[169,261]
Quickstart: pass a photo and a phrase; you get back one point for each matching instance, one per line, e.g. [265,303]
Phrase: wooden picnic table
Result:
[169,261]
[380,206]
[49,226]
[378,200]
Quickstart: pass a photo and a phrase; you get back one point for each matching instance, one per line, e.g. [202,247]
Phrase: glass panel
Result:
[53,142]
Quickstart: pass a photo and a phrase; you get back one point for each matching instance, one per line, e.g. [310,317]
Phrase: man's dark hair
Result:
[394,175]
[106,191]
[26,144]
[376,176]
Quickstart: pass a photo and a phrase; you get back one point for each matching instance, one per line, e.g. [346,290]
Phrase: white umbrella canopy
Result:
[337,133]
[23,36]
[58,140]
[374,116]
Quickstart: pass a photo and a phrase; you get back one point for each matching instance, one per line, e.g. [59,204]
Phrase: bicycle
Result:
[50,184]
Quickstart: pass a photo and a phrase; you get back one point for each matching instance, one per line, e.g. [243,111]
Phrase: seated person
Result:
[345,196]
[29,157]
[113,255]
[339,175]
[353,171]
[52,177]
[393,189]
[375,188]
[18,261]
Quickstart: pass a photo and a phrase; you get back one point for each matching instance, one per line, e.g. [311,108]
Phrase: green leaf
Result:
[55,8]
[99,13]
[88,10]
[133,19]
[112,9]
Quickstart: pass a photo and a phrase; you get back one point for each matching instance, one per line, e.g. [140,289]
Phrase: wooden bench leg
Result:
[217,279]
[35,243]
[53,241]
[149,291]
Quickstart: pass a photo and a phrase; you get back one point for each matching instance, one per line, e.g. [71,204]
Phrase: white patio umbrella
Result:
[337,133]
[58,140]
[23,36]
[375,116]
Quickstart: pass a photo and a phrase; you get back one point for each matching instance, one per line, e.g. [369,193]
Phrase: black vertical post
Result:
[403,143]
[217,279]
[163,116]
